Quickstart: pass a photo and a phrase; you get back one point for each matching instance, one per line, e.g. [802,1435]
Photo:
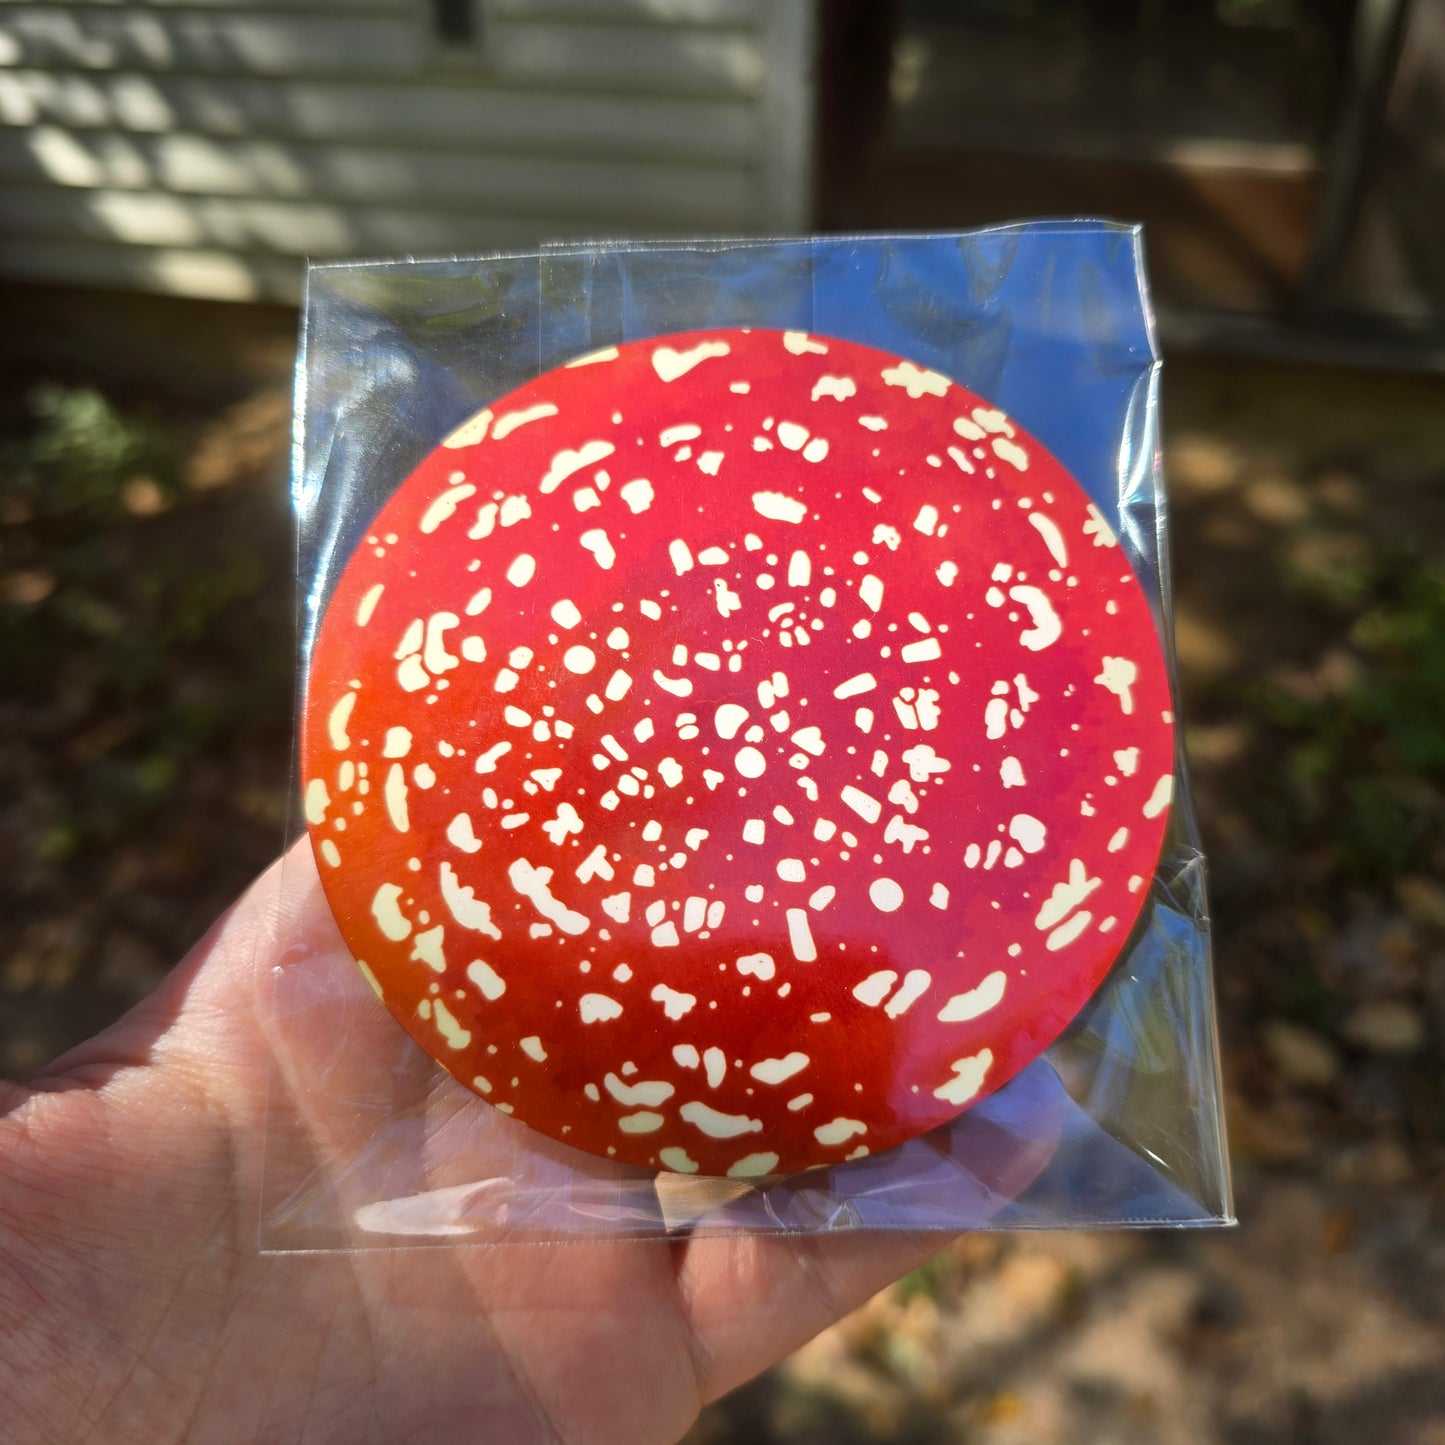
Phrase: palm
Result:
[138,1308]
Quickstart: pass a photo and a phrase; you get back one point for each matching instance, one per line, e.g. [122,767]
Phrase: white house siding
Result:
[205,147]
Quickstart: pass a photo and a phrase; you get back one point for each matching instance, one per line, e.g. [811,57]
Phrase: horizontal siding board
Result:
[672,12]
[716,62]
[702,197]
[295,228]
[219,42]
[407,8]
[218,275]
[433,115]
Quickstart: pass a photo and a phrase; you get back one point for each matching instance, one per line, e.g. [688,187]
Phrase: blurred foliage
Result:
[1367,755]
[130,612]
[77,455]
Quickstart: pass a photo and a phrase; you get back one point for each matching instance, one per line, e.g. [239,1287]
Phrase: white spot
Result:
[648,1093]
[318,799]
[947,573]
[1119,675]
[1097,528]
[463,904]
[367,605]
[579,659]
[916,983]
[799,343]
[1011,773]
[395,791]
[456,1036]
[792,870]
[867,808]
[715,1065]
[800,936]
[939,897]
[729,717]
[486,980]
[1066,896]
[873,423]
[926,650]
[1127,761]
[567,463]
[914,380]
[597,543]
[875,988]
[565,823]
[532,1047]
[800,569]
[810,739]
[1068,931]
[506,425]
[1047,628]
[749,762]
[426,948]
[777,1071]
[840,388]
[800,1102]
[926,520]
[565,613]
[757,965]
[778,507]
[839,1131]
[870,589]
[386,909]
[753,1166]
[885,895]
[1027,832]
[607,353]
[755,831]
[522,569]
[674,1003]
[1159,799]
[820,899]
[532,883]
[1121,836]
[1048,529]
[487,761]
[967,1080]
[860,683]
[1013,454]
[716,1124]
[643,1122]
[471,431]
[670,364]
[976,1001]
[637,494]
[337,720]
[598,1008]
[682,432]
[676,1159]
[710,463]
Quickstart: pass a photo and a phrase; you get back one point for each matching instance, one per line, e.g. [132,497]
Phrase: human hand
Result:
[135,1305]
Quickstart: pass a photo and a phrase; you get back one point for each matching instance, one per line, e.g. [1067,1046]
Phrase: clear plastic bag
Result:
[1118,1123]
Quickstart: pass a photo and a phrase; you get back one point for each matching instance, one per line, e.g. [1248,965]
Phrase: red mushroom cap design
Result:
[737,752]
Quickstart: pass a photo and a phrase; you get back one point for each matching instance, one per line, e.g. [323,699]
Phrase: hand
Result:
[135,1305]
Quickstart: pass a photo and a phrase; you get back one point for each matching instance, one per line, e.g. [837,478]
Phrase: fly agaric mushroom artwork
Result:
[737,752]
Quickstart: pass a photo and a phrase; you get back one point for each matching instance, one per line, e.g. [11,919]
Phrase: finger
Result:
[753,1300]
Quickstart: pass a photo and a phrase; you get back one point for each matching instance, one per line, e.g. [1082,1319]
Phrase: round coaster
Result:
[737,751]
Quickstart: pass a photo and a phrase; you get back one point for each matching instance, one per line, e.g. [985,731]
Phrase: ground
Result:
[146,639]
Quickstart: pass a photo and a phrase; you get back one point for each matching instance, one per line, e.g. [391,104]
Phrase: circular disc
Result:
[737,752]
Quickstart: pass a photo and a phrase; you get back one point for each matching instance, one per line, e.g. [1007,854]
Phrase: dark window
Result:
[455,21]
